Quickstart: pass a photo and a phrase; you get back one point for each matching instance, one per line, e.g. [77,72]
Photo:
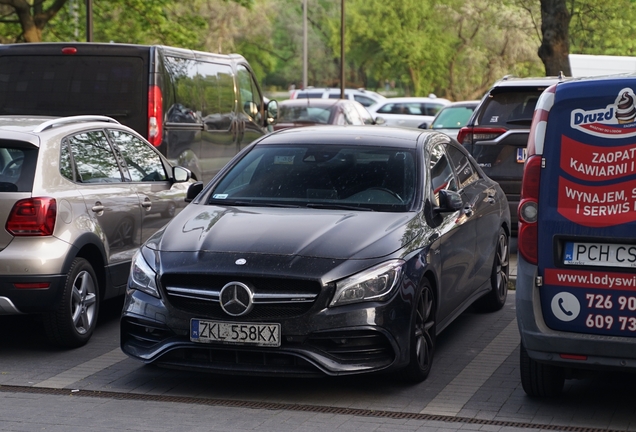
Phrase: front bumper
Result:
[546,345]
[358,338]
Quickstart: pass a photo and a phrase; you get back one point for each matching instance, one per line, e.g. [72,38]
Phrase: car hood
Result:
[318,233]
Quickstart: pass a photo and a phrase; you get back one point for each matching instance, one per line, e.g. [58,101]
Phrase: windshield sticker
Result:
[595,163]
[283,160]
[617,120]
[220,196]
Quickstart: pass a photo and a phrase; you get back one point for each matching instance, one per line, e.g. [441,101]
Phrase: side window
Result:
[352,115]
[441,172]
[466,174]
[94,158]
[187,94]
[250,96]
[66,164]
[217,93]
[365,101]
[143,163]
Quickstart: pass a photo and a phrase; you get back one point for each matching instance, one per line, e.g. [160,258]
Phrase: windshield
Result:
[324,176]
[306,113]
[453,117]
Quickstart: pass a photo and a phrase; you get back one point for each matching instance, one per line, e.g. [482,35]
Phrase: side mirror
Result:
[380,121]
[272,112]
[181,174]
[194,190]
[449,201]
[424,126]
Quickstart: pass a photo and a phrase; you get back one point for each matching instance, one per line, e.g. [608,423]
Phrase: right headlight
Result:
[373,284]
[142,275]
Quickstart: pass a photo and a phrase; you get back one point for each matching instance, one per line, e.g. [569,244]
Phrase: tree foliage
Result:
[454,48]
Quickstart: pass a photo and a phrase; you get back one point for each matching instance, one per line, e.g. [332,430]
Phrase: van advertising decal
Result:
[596,193]
[590,301]
[617,120]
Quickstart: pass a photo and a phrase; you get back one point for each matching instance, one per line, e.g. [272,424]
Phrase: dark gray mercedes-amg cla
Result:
[321,250]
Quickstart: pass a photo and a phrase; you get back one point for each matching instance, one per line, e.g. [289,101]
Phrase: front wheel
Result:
[539,379]
[499,276]
[422,342]
[71,325]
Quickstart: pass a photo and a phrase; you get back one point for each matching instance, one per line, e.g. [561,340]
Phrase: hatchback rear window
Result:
[17,166]
[511,108]
[73,85]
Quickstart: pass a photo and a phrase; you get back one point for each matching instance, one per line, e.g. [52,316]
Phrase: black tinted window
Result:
[466,174]
[72,85]
[187,93]
[218,95]
[509,107]
[17,166]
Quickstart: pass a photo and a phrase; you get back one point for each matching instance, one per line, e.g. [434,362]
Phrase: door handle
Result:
[98,207]
[468,210]
[146,203]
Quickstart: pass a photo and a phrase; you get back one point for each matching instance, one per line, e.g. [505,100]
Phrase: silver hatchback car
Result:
[78,195]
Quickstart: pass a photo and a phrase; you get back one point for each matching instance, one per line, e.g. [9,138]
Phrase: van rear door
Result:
[75,79]
[587,209]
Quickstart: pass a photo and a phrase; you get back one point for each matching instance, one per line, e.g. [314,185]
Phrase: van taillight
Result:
[528,211]
[471,134]
[155,116]
[32,217]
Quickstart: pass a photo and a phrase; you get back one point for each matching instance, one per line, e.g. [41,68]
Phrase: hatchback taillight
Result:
[32,217]
[472,134]
[155,116]
[528,211]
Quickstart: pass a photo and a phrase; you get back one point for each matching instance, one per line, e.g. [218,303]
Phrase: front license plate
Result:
[599,254]
[234,333]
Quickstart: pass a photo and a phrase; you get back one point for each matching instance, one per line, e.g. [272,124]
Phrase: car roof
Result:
[322,103]
[347,135]
[407,99]
[528,82]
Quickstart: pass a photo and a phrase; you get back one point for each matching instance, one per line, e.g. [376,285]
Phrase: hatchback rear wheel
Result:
[71,325]
[499,276]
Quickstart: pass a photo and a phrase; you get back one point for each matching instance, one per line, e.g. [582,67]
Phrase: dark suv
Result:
[497,133]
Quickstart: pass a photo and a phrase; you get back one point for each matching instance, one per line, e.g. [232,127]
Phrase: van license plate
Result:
[599,254]
[235,333]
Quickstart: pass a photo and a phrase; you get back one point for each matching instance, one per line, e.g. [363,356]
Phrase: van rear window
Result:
[74,85]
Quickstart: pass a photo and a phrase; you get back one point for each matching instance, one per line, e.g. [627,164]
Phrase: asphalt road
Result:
[474,385]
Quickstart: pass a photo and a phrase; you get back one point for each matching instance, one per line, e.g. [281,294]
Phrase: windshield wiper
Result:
[337,207]
[251,203]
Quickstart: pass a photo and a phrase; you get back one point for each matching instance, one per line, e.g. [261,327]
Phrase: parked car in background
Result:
[309,112]
[198,108]
[453,117]
[576,280]
[497,133]
[364,97]
[322,250]
[411,112]
[78,196]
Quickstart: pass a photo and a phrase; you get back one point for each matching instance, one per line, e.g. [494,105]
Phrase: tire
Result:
[170,211]
[71,325]
[539,379]
[499,276]
[422,337]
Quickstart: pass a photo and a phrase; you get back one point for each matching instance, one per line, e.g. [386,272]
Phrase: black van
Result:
[198,108]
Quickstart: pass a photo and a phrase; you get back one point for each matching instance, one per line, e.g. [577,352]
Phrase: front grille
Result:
[222,360]
[274,298]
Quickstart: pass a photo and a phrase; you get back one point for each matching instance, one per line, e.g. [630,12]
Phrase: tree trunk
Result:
[555,45]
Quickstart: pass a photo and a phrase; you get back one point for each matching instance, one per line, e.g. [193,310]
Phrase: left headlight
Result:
[142,275]
[373,284]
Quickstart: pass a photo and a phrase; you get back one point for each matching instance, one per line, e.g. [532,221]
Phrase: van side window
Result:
[217,93]
[94,158]
[250,96]
[184,76]
[143,163]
